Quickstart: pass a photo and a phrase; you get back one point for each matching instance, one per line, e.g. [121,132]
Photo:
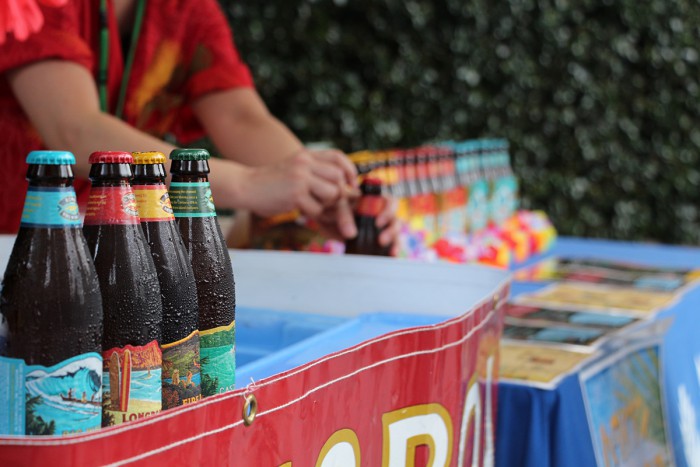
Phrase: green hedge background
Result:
[599,98]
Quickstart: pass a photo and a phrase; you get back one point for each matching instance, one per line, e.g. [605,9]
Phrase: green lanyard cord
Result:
[104,56]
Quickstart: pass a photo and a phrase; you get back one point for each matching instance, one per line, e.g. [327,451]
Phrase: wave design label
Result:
[59,400]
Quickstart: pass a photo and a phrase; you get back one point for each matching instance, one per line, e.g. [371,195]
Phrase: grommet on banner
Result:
[250,409]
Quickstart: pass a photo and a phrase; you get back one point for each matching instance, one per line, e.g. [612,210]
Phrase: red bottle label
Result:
[112,205]
[370,206]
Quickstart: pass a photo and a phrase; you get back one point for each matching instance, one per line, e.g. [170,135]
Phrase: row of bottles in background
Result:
[165,295]
[447,189]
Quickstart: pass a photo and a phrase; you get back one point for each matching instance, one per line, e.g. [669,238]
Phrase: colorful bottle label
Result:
[455,212]
[503,199]
[112,205]
[192,199]
[58,400]
[370,205]
[131,383]
[50,207]
[478,206]
[217,350]
[153,203]
[182,380]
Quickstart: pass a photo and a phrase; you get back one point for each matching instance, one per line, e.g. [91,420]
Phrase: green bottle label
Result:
[192,199]
[217,352]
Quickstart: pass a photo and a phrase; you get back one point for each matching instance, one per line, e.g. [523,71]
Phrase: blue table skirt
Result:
[539,428]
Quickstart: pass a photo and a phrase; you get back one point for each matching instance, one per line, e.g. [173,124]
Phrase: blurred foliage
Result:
[599,98]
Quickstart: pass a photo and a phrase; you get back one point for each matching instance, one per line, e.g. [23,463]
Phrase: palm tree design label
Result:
[59,400]
[131,382]
[217,350]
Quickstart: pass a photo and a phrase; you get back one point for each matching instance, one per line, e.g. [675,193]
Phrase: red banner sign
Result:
[420,396]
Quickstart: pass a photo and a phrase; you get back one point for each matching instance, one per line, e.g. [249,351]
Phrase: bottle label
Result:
[131,383]
[59,400]
[50,207]
[112,205]
[153,203]
[478,205]
[217,350]
[181,372]
[370,206]
[192,199]
[503,199]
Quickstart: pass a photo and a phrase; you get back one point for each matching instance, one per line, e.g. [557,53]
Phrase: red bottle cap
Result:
[372,181]
[111,157]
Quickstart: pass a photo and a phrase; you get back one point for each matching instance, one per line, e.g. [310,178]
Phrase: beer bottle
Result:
[369,206]
[178,291]
[51,301]
[195,215]
[131,379]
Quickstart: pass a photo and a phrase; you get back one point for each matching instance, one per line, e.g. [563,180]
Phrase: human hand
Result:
[317,183]
[388,223]
[23,17]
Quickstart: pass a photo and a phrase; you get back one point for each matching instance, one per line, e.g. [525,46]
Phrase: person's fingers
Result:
[390,233]
[326,193]
[387,213]
[345,219]
[309,206]
[339,159]
[328,171]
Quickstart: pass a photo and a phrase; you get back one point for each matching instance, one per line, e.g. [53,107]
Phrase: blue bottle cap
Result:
[51,157]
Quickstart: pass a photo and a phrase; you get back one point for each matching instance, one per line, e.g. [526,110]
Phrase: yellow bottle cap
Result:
[150,157]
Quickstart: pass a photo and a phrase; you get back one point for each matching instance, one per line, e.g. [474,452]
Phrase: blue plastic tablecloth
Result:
[539,427]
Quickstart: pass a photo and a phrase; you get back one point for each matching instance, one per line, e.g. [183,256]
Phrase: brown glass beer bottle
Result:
[131,379]
[195,214]
[178,291]
[369,206]
[53,310]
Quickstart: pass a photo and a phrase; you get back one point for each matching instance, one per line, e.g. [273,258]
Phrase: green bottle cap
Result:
[189,155]
[51,157]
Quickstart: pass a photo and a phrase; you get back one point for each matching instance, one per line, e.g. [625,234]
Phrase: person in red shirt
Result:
[141,75]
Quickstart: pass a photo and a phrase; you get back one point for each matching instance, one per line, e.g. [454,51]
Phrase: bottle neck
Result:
[110,175]
[50,175]
[190,171]
[149,174]
[50,201]
[371,189]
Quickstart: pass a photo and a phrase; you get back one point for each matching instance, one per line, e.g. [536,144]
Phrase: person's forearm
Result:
[61,100]
[259,141]
[243,130]
[102,132]
[107,133]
